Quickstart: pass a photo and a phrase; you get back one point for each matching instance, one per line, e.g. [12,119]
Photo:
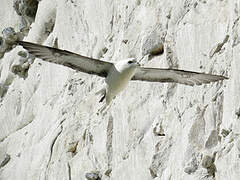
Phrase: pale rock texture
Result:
[49,128]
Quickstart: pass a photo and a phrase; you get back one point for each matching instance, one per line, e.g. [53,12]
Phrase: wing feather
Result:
[175,75]
[67,58]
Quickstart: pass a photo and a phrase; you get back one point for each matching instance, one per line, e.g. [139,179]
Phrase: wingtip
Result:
[221,77]
[20,43]
[224,77]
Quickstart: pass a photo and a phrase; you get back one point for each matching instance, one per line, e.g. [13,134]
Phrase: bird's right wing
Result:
[175,75]
[67,58]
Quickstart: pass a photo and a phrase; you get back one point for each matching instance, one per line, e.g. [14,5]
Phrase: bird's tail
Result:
[91,101]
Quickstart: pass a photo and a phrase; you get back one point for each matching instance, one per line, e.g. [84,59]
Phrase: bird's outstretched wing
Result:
[67,58]
[175,75]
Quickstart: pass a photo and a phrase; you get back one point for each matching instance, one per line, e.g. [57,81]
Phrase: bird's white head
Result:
[132,62]
[129,63]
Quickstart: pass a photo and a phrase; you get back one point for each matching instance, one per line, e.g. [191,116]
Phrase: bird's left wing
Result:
[175,75]
[67,58]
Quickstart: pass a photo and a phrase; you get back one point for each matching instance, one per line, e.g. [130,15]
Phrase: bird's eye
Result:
[130,62]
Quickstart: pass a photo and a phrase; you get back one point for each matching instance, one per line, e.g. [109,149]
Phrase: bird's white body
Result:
[118,77]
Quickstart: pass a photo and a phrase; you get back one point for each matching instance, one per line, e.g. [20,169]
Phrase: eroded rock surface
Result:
[49,126]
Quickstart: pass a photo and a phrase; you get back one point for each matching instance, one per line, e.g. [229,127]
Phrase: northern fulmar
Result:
[117,75]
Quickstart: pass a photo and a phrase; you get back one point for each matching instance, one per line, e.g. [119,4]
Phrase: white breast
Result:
[118,78]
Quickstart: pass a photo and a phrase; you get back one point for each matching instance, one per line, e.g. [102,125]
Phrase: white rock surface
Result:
[49,128]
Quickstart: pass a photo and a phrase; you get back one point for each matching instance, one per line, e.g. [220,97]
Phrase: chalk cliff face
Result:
[49,128]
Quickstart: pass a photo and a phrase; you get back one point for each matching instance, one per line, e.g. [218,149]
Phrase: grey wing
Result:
[175,75]
[67,58]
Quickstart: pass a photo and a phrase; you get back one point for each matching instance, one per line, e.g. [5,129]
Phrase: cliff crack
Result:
[51,148]
[217,48]
[109,142]
[69,171]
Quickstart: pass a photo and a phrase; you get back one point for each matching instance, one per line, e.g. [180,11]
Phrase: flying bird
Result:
[117,75]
